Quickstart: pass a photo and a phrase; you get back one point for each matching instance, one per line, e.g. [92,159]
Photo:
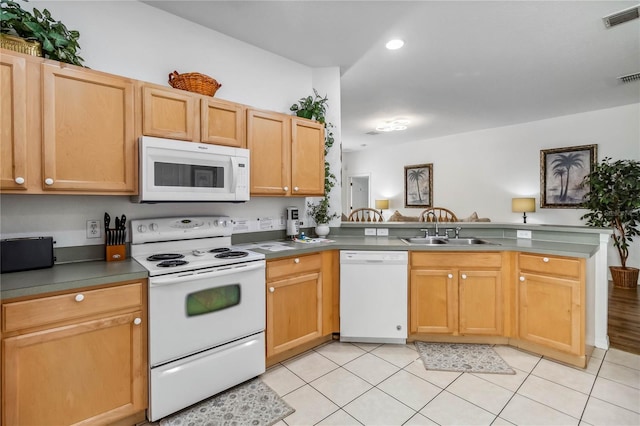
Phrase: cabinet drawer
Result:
[551,265]
[456,260]
[37,312]
[293,266]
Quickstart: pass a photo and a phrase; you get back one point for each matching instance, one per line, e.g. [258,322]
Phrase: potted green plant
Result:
[614,201]
[57,42]
[321,216]
[311,107]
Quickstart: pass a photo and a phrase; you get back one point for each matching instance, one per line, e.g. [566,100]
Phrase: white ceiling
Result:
[466,65]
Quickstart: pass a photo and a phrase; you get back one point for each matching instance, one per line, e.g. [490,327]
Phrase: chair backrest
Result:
[443,215]
[366,214]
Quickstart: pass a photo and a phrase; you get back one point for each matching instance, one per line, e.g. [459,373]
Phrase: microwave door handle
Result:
[234,174]
[194,275]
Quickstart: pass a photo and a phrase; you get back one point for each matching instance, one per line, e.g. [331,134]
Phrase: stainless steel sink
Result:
[466,241]
[435,241]
[427,241]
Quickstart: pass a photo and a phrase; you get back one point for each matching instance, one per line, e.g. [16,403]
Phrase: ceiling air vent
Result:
[630,77]
[373,132]
[621,17]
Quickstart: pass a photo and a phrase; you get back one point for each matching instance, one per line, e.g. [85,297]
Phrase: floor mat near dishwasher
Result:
[249,403]
[464,357]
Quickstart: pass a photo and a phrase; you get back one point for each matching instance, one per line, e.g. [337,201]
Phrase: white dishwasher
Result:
[373,296]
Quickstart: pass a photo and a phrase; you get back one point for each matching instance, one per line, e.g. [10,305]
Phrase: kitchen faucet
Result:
[435,217]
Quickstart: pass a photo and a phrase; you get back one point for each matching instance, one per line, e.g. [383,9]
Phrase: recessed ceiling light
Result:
[394,44]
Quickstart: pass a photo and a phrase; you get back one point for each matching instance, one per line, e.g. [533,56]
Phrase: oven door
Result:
[198,310]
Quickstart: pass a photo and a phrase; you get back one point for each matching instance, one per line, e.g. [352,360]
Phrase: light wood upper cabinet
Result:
[269,141]
[86,363]
[456,293]
[222,123]
[551,301]
[170,114]
[287,154]
[17,125]
[178,114]
[294,302]
[88,131]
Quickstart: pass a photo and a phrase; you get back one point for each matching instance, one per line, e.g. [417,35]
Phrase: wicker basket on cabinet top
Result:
[194,82]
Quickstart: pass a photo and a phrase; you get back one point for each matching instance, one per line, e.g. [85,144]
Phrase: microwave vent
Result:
[622,16]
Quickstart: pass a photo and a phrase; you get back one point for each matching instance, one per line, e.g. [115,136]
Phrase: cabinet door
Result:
[480,294]
[551,312]
[294,311]
[88,133]
[434,301]
[307,157]
[169,114]
[269,139]
[92,371]
[222,123]
[13,122]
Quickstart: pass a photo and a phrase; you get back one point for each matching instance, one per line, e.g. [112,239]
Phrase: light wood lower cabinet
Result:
[456,293]
[83,364]
[551,301]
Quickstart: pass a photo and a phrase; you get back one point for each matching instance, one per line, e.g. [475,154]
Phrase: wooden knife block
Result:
[116,253]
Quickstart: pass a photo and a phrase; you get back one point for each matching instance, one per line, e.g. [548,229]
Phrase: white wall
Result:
[135,40]
[481,171]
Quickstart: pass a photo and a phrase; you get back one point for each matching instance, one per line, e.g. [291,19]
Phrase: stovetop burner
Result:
[164,256]
[171,263]
[219,250]
[231,254]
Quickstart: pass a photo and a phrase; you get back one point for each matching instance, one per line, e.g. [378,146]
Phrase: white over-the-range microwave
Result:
[181,171]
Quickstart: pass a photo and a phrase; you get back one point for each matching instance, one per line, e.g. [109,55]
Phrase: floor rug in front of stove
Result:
[463,357]
[249,403]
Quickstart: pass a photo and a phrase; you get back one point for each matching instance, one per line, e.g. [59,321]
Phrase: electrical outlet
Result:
[523,234]
[93,229]
[370,231]
[382,232]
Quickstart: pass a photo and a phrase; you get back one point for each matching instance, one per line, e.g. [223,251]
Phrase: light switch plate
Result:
[382,232]
[370,231]
[523,234]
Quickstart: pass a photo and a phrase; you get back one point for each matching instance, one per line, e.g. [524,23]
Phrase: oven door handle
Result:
[198,275]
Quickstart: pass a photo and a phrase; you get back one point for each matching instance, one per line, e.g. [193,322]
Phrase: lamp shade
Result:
[382,204]
[523,205]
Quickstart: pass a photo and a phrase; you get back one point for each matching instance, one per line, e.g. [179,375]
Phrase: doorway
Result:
[359,191]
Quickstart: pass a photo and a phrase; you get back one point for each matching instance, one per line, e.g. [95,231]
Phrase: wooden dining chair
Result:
[443,215]
[366,214]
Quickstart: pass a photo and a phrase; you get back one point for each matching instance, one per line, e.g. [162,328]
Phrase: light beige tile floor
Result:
[368,384]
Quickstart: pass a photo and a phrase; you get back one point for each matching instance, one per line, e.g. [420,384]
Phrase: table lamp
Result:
[524,206]
[382,205]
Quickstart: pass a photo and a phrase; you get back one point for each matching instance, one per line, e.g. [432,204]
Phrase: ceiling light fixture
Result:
[394,44]
[390,126]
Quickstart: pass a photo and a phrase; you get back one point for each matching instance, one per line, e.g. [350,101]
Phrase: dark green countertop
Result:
[70,276]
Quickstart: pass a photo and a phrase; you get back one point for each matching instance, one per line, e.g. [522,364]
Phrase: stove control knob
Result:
[224,223]
[216,222]
[153,227]
[142,228]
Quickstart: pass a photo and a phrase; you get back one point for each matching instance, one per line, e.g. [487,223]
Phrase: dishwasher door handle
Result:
[374,261]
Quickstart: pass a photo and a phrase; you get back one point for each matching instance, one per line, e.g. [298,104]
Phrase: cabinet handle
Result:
[296,260]
[137,321]
[48,181]
[450,276]
[286,188]
[522,279]
[19,180]
[545,259]
[272,289]
[79,297]
[295,188]
[464,276]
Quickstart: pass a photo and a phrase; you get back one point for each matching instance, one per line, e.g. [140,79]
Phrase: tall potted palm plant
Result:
[614,201]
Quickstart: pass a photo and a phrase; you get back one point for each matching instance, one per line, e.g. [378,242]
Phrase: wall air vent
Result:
[630,77]
[621,17]
[373,132]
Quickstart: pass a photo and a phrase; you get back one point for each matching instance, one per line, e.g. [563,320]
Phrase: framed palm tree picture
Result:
[562,172]
[418,185]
